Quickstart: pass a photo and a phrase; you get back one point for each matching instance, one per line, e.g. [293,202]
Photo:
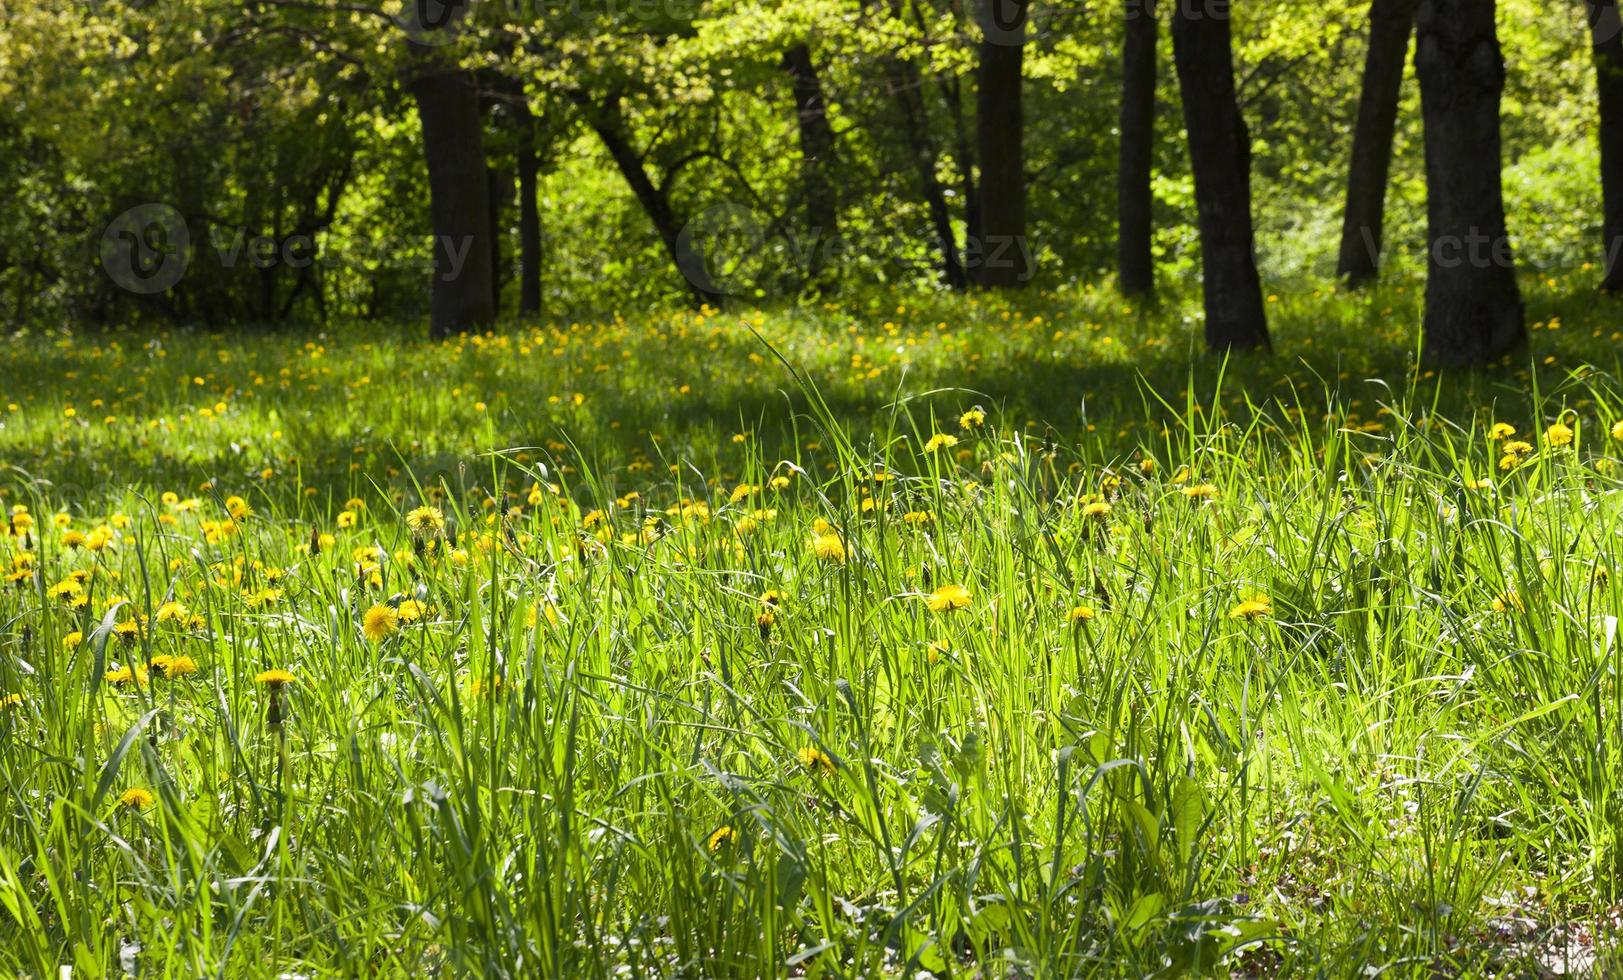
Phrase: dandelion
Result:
[721,837]
[948,598]
[764,622]
[425,521]
[1559,434]
[136,798]
[380,622]
[1200,491]
[275,678]
[828,547]
[174,667]
[1506,602]
[1617,431]
[1501,431]
[1079,615]
[815,760]
[11,701]
[972,419]
[1097,510]
[172,612]
[940,441]
[1253,608]
[127,674]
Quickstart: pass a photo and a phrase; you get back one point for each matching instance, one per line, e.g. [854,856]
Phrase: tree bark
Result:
[1220,156]
[529,217]
[1135,266]
[1606,37]
[1473,307]
[1390,24]
[605,120]
[459,201]
[903,78]
[1003,254]
[816,157]
[500,180]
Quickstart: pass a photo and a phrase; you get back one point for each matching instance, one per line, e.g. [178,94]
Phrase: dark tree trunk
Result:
[1473,308]
[1003,254]
[816,156]
[1390,24]
[459,200]
[501,191]
[1135,267]
[905,82]
[529,218]
[1220,156]
[1606,35]
[606,121]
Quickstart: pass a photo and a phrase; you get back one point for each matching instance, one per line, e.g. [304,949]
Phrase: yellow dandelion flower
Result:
[175,667]
[1200,491]
[721,837]
[136,798]
[948,598]
[815,760]
[829,547]
[1252,608]
[425,521]
[972,419]
[939,441]
[380,622]
[1080,614]
[1501,431]
[1558,435]
[127,674]
[274,678]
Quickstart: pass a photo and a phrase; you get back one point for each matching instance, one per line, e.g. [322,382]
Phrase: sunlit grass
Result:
[876,649]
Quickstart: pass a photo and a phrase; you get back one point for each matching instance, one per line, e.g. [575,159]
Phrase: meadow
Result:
[976,636]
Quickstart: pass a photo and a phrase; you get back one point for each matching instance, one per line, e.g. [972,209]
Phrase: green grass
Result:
[1410,762]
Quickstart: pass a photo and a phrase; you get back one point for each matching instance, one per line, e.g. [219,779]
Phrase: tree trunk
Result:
[459,201]
[1606,35]
[816,157]
[1220,156]
[1003,254]
[1135,266]
[1390,24]
[606,121]
[904,81]
[1473,308]
[529,218]
[501,190]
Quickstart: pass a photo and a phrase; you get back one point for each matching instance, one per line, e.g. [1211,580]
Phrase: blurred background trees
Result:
[338,159]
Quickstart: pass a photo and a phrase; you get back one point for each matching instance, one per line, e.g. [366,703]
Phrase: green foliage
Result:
[286,118]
